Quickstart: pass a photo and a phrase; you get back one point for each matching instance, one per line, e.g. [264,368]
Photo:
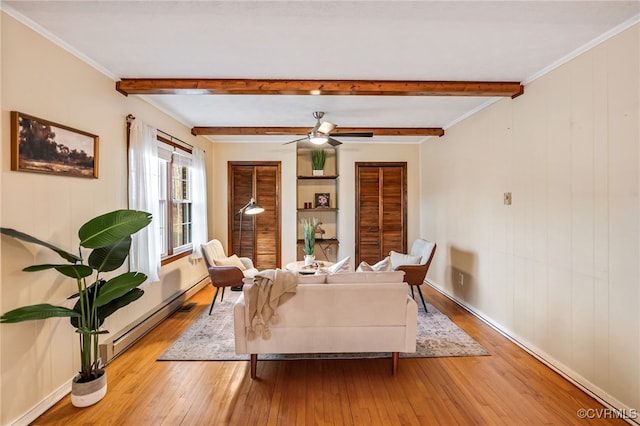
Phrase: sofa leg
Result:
[254,365]
[395,356]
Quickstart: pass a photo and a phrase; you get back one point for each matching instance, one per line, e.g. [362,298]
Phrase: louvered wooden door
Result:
[260,233]
[381,214]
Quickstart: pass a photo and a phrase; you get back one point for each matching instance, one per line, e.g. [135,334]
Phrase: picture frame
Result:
[322,200]
[42,146]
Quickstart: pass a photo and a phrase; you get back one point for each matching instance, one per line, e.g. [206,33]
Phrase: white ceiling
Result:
[322,40]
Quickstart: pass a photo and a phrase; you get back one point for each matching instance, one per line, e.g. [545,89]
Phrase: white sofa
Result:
[350,312]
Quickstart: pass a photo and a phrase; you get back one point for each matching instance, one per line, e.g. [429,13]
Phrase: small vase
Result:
[318,172]
[86,394]
[309,259]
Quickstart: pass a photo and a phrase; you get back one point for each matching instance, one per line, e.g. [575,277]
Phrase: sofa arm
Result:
[239,325]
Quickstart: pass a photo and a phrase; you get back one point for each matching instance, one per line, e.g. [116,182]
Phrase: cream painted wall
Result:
[38,359]
[558,269]
[349,154]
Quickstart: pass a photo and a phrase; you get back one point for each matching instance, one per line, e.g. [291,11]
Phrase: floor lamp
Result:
[251,208]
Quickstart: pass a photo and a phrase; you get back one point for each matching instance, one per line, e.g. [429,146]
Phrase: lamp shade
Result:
[253,208]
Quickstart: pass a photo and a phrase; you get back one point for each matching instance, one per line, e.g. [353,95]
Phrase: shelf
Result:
[318,209]
[329,177]
[323,240]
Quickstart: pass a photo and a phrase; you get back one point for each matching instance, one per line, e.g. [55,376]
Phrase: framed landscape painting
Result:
[42,146]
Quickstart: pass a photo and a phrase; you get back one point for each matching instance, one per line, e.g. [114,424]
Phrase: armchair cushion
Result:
[232,260]
[399,259]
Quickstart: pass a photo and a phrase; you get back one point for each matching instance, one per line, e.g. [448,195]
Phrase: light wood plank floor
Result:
[509,387]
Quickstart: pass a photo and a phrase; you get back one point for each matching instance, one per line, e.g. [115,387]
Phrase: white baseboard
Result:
[39,409]
[585,385]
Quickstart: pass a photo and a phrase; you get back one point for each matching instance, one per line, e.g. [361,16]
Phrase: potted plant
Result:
[309,226]
[109,237]
[318,157]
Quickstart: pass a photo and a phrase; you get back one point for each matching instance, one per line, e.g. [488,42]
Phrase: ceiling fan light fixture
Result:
[318,138]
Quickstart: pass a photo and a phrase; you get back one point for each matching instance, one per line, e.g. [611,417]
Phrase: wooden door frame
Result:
[403,165]
[231,211]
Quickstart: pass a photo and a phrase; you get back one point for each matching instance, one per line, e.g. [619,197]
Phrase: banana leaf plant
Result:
[109,238]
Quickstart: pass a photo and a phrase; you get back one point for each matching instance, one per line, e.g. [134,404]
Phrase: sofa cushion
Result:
[232,260]
[366,277]
[312,279]
[398,259]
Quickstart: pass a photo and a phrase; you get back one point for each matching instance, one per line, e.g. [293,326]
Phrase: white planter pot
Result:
[309,259]
[318,172]
[86,394]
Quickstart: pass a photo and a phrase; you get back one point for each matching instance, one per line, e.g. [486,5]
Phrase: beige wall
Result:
[349,154]
[40,79]
[558,269]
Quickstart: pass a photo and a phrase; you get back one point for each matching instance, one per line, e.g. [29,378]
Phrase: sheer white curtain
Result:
[199,227]
[143,196]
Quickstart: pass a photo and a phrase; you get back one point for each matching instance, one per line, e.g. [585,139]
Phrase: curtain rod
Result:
[131,117]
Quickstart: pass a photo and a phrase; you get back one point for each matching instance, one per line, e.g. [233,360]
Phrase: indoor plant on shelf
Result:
[318,158]
[109,237]
[309,226]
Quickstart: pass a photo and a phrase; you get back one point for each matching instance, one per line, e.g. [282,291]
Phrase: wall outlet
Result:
[460,278]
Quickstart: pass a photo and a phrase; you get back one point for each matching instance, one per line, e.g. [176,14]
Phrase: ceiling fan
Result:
[321,133]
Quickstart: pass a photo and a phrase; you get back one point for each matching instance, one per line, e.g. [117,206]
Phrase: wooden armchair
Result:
[416,274]
[225,271]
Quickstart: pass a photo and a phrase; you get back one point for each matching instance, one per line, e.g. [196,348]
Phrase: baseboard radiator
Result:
[114,346]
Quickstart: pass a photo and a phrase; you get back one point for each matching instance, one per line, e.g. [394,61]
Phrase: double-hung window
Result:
[175,201]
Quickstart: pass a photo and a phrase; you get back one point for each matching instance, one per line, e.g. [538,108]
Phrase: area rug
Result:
[210,338]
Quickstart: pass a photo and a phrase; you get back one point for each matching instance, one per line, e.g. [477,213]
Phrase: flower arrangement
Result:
[309,226]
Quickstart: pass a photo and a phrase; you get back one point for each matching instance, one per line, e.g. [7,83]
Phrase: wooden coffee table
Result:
[300,267]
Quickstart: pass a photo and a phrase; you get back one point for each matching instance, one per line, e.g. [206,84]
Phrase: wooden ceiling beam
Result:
[377,131]
[184,86]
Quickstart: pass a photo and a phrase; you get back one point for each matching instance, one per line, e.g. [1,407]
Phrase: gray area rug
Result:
[210,338]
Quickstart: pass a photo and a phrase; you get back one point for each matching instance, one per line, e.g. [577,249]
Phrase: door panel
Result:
[260,233]
[380,210]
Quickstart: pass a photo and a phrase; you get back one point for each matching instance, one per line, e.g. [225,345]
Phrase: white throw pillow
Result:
[232,260]
[381,266]
[398,259]
[342,266]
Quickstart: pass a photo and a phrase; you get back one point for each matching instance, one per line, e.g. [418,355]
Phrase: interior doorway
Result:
[255,236]
[381,210]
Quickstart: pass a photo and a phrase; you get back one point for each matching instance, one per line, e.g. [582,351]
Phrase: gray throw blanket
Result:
[270,289]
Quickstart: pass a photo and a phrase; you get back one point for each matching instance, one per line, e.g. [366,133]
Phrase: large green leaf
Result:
[73,271]
[109,228]
[109,258]
[114,305]
[119,286]
[72,258]
[36,312]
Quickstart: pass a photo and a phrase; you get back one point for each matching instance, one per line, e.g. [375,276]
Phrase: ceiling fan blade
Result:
[326,127]
[333,142]
[354,134]
[306,138]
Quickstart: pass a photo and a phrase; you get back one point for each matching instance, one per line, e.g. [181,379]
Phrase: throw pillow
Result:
[364,267]
[232,260]
[342,266]
[398,259]
[381,266]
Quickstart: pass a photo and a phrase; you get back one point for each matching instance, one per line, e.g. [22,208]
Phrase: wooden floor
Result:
[509,387]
